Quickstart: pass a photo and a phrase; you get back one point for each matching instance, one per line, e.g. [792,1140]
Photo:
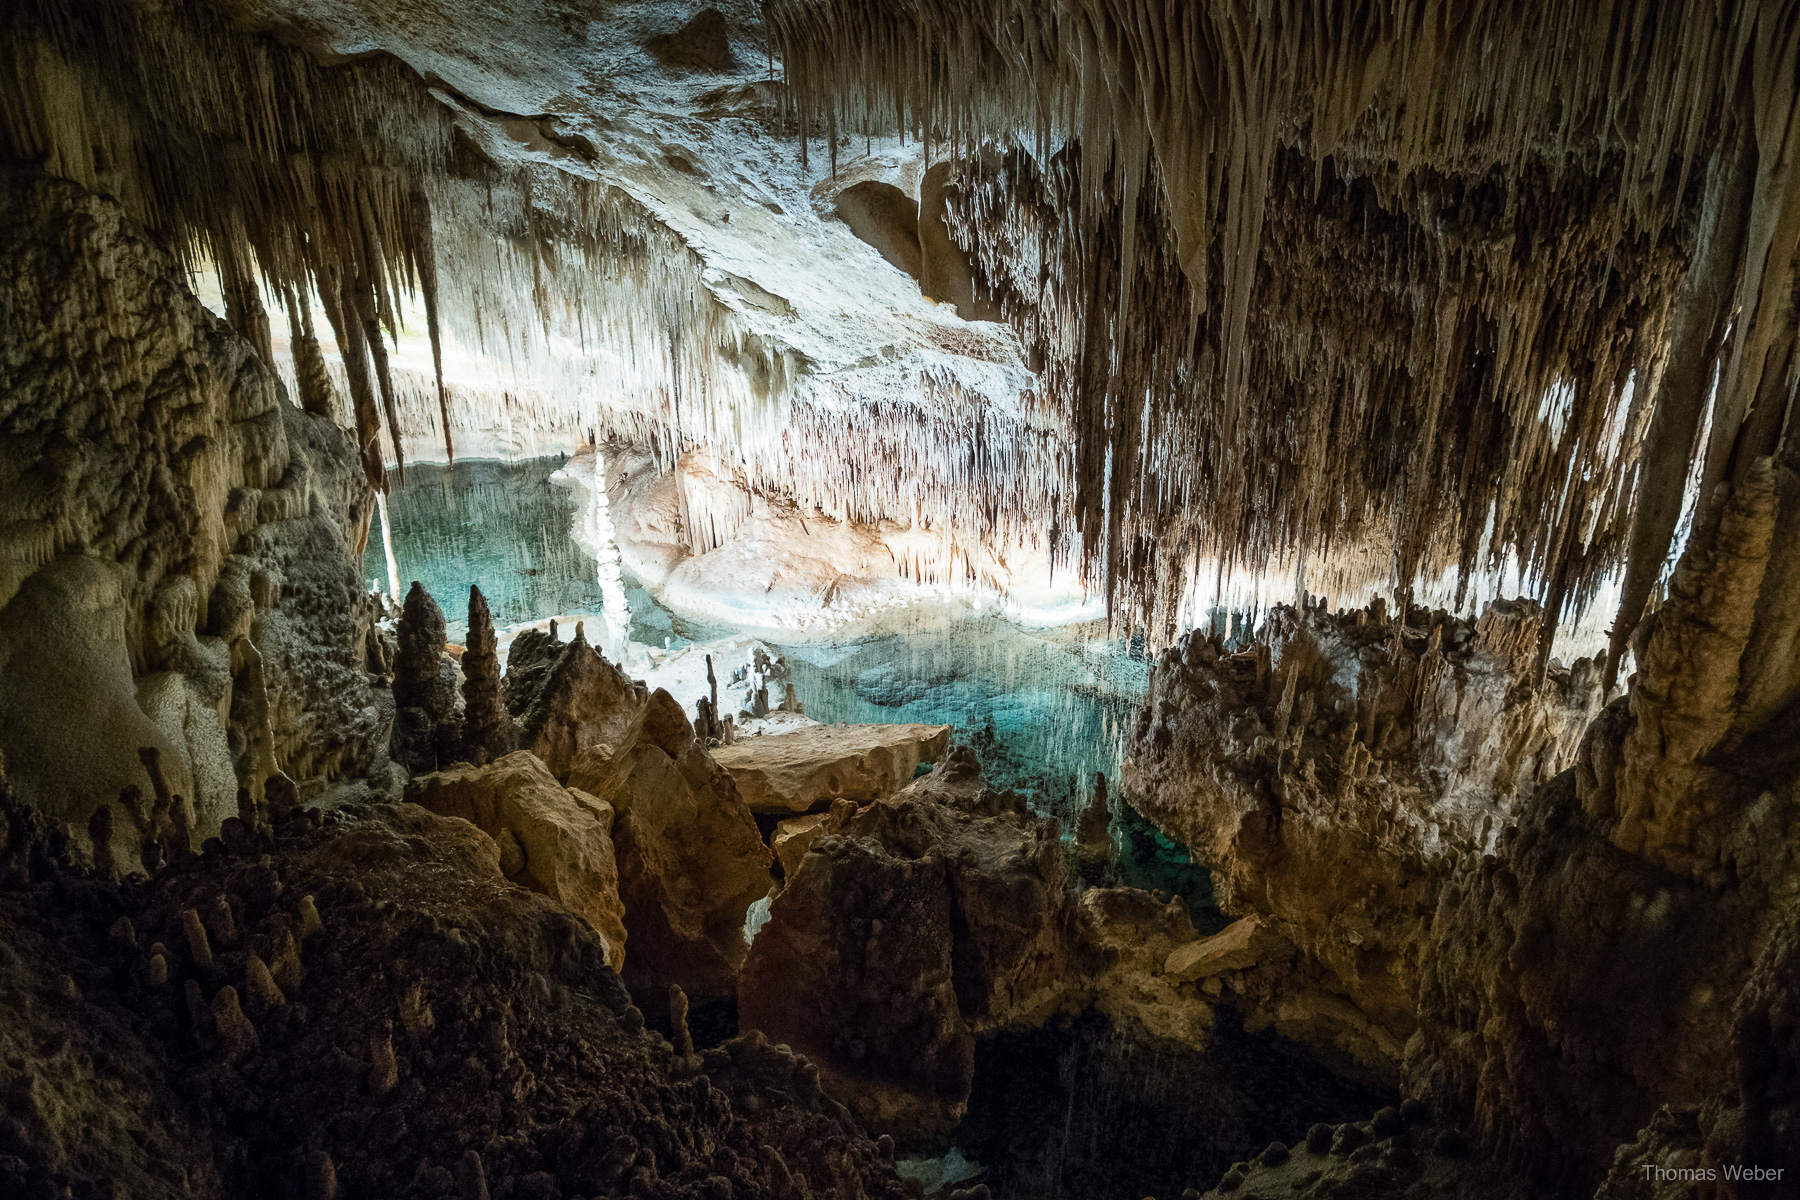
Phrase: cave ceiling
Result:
[1413,297]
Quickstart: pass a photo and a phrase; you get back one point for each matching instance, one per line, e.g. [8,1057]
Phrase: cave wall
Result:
[178,570]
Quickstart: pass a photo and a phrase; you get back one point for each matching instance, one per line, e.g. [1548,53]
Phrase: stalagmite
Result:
[237,1036]
[614,610]
[487,728]
[678,1012]
[321,1176]
[418,661]
[260,986]
[198,945]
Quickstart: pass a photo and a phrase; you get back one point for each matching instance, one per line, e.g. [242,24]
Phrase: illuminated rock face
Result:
[1490,886]
[1334,774]
[552,839]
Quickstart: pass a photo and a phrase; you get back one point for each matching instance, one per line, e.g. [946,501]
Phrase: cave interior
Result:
[900,599]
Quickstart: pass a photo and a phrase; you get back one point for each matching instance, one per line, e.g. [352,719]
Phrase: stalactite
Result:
[1356,286]
[1409,283]
[311,375]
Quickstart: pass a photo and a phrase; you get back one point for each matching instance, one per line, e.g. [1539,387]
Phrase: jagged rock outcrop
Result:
[359,999]
[797,772]
[566,697]
[691,860]
[1397,1152]
[855,970]
[794,837]
[1630,946]
[1334,775]
[552,839]
[177,569]
[946,912]
[1131,936]
[1597,982]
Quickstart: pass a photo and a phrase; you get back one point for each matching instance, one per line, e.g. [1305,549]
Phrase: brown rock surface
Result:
[1233,948]
[854,970]
[487,729]
[563,836]
[795,836]
[690,858]
[795,772]
[442,1023]
[178,559]
[921,921]
[567,697]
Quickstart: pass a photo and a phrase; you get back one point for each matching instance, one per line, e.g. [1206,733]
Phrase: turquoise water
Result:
[502,526]
[1045,715]
[1044,712]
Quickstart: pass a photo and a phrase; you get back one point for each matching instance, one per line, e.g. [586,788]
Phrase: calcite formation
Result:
[180,540]
[487,728]
[690,858]
[427,727]
[1558,960]
[439,1024]
[1143,311]
[946,912]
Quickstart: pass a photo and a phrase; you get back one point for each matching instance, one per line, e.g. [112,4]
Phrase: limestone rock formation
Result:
[854,970]
[691,860]
[1334,775]
[562,837]
[1130,937]
[1398,1152]
[795,836]
[797,772]
[948,885]
[566,697]
[1233,948]
[180,540]
[487,729]
[427,728]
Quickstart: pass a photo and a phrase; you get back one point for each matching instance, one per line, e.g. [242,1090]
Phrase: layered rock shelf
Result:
[809,768]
